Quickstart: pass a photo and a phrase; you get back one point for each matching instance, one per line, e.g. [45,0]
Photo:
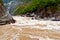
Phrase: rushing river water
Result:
[27,29]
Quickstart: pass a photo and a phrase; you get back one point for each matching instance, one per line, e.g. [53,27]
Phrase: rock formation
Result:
[5,18]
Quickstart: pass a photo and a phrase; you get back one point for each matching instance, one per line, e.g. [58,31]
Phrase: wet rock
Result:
[57,19]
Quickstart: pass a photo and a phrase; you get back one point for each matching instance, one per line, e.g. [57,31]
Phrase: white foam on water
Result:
[20,21]
[40,38]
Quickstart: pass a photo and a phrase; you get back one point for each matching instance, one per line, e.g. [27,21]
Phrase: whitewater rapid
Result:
[23,21]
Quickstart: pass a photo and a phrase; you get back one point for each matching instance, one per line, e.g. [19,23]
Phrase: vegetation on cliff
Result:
[38,6]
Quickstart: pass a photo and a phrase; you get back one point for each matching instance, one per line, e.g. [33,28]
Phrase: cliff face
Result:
[2,9]
[14,3]
[5,18]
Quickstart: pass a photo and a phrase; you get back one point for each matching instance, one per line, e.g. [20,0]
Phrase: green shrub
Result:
[36,4]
